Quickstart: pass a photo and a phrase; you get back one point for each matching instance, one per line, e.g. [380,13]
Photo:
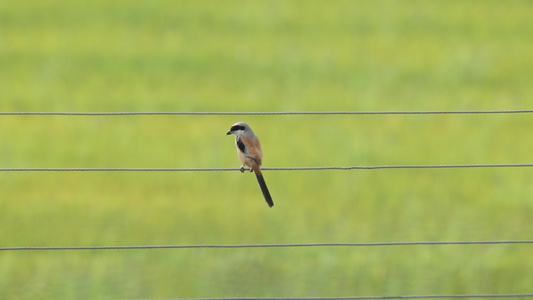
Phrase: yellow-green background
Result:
[91,56]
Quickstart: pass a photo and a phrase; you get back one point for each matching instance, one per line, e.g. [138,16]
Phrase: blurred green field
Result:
[58,55]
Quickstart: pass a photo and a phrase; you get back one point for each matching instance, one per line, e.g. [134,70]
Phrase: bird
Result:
[250,153]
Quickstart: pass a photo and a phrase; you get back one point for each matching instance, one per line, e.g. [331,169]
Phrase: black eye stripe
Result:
[237,127]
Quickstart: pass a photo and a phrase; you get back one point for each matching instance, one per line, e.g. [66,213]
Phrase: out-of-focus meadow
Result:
[194,56]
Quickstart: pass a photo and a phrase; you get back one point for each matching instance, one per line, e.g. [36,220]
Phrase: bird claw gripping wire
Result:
[242,169]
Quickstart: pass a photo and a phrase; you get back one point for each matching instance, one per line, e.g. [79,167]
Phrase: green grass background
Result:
[92,56]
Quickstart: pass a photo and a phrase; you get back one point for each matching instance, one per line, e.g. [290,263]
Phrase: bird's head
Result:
[239,128]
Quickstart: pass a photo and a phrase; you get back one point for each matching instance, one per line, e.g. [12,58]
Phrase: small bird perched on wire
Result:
[250,153]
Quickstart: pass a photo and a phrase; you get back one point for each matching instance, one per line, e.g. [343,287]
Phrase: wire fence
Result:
[184,113]
[213,246]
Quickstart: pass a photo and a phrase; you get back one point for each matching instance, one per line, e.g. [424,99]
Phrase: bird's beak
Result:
[229,132]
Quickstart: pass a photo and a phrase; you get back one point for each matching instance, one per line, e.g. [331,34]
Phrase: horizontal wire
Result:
[274,113]
[272,245]
[271,168]
[361,297]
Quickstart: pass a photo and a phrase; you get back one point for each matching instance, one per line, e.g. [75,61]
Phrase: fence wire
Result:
[360,297]
[273,113]
[292,245]
[264,169]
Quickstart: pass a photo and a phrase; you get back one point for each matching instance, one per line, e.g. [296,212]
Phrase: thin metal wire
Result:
[399,167]
[360,297]
[115,169]
[274,113]
[272,245]
[271,168]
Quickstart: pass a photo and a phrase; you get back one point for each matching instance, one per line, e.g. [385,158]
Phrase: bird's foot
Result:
[242,169]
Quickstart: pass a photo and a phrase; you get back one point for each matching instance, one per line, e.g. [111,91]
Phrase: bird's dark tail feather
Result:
[264,189]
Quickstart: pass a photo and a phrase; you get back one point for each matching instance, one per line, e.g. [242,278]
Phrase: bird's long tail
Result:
[264,188]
